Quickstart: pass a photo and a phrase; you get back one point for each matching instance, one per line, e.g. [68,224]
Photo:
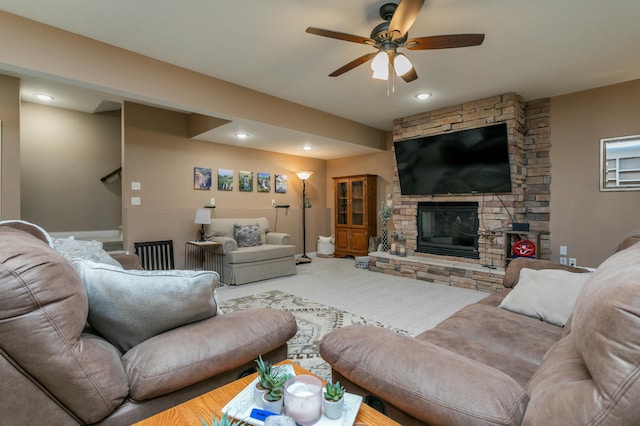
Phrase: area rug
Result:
[314,321]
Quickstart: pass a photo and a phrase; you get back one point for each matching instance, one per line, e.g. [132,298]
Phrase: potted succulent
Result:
[333,400]
[273,398]
[264,370]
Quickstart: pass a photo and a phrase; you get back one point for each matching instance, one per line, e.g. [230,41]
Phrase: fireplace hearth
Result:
[448,229]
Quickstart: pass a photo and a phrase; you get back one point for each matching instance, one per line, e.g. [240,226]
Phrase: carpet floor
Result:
[314,320]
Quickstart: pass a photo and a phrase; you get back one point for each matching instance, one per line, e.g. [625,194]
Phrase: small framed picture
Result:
[245,181]
[201,178]
[225,180]
[281,184]
[264,182]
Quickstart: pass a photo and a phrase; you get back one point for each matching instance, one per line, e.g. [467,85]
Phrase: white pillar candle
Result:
[303,399]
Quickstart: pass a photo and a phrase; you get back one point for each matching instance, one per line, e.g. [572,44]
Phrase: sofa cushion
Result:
[130,306]
[546,294]
[518,335]
[43,312]
[247,235]
[195,352]
[260,253]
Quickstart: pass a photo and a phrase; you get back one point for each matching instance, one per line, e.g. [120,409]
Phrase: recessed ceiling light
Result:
[44,97]
[242,135]
[307,147]
[422,96]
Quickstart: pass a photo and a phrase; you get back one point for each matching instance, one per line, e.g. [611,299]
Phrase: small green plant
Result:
[264,371]
[274,384]
[333,391]
[225,420]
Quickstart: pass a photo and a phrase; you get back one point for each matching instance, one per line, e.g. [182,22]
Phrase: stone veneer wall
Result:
[529,146]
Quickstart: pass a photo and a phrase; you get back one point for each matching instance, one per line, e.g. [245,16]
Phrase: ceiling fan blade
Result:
[351,65]
[444,41]
[404,17]
[410,75]
[340,36]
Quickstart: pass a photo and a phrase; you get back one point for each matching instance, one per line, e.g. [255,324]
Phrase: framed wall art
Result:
[245,181]
[225,180]
[281,184]
[264,182]
[201,178]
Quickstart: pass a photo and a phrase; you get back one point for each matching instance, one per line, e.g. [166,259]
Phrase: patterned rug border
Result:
[314,320]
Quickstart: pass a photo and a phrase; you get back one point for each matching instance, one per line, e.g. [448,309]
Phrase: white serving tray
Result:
[240,407]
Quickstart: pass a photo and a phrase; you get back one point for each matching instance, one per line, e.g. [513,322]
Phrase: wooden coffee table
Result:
[203,407]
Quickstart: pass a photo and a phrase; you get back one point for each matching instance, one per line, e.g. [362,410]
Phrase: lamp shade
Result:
[380,66]
[401,64]
[203,217]
[304,175]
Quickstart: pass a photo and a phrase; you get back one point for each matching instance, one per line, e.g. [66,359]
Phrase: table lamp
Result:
[203,217]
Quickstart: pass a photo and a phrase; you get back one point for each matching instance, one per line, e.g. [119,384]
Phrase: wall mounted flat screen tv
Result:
[463,162]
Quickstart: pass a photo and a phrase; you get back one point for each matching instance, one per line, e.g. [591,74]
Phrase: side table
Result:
[203,255]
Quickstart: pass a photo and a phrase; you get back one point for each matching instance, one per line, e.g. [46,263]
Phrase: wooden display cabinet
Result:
[355,214]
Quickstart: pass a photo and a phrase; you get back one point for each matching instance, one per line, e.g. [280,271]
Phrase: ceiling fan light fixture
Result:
[401,64]
[380,66]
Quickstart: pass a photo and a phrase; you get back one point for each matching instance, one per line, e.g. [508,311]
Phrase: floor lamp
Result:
[303,176]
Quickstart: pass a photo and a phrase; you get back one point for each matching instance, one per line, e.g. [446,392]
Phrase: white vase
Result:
[333,409]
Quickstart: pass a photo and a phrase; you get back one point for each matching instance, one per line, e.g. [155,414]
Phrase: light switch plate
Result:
[135,201]
[563,250]
[136,186]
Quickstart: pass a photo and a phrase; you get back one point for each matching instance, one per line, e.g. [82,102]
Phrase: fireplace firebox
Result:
[448,229]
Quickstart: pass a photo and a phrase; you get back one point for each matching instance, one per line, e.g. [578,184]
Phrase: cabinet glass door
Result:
[342,203]
[357,202]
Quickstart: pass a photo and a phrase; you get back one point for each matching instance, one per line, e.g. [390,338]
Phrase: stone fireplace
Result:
[529,146]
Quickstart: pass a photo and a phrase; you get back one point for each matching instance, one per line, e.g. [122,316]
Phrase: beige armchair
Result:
[251,251]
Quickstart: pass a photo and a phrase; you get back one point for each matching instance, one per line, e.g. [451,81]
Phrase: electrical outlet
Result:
[135,201]
[563,250]
[212,202]
[273,203]
[573,261]
[563,260]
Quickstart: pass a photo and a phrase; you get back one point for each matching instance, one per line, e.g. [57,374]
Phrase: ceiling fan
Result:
[392,34]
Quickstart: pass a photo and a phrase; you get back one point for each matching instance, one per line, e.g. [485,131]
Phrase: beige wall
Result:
[44,50]
[381,164]
[10,154]
[589,222]
[159,154]
[64,154]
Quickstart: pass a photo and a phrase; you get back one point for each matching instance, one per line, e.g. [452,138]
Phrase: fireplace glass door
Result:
[448,229]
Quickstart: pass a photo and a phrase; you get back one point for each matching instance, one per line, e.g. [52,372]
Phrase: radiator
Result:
[155,255]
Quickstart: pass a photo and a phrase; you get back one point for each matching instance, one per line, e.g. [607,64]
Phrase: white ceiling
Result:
[534,48]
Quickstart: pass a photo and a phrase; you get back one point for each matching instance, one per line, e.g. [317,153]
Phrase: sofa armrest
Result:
[279,238]
[228,243]
[512,274]
[425,381]
[194,352]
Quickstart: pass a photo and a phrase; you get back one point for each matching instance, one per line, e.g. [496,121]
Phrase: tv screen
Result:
[463,162]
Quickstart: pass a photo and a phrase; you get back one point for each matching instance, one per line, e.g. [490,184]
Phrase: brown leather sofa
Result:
[486,365]
[54,370]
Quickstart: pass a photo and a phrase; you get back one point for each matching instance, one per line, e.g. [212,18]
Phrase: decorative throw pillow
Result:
[129,306]
[73,249]
[247,235]
[546,294]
